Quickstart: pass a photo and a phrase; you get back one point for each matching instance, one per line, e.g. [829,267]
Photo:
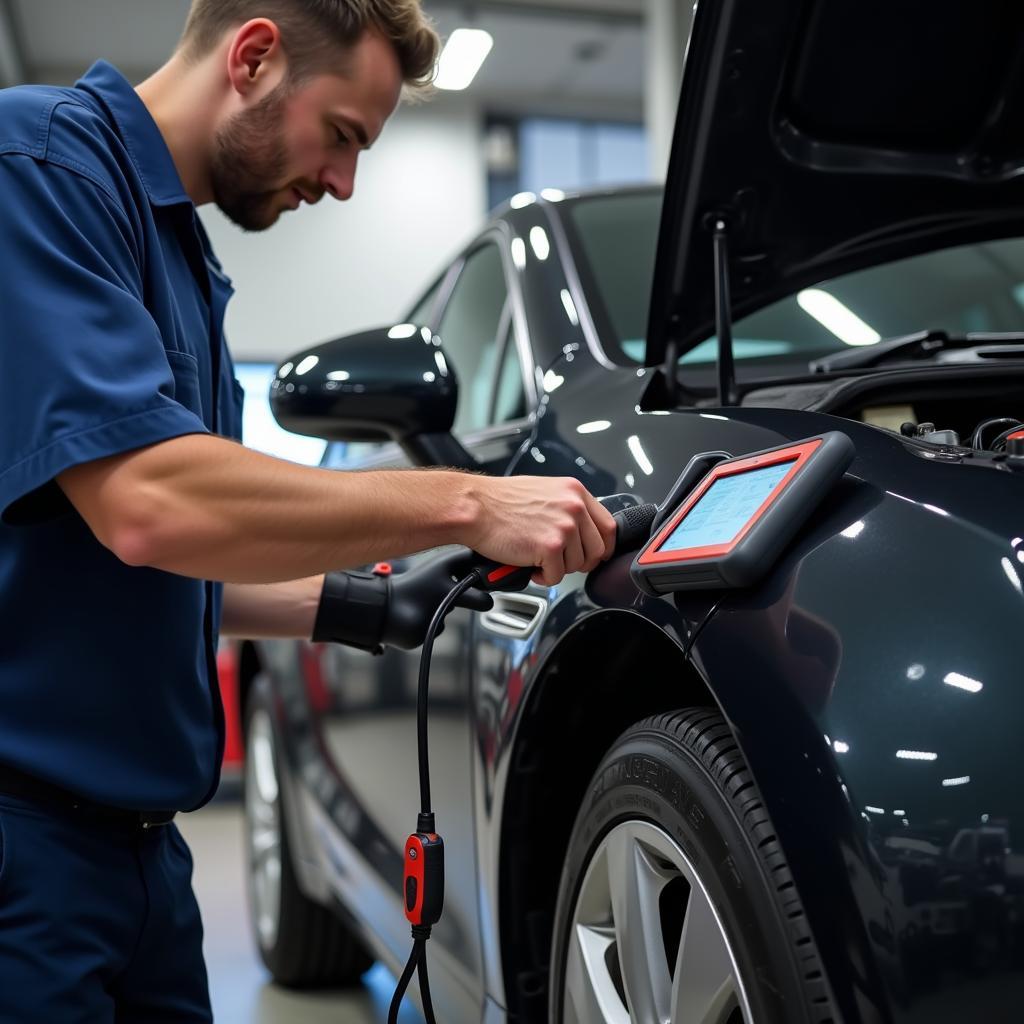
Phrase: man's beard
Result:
[249,157]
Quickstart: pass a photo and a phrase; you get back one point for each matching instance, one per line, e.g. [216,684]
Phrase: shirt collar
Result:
[139,132]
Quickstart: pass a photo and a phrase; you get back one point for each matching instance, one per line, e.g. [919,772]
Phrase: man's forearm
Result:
[284,610]
[206,507]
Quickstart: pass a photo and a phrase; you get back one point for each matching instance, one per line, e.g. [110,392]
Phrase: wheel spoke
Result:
[705,979]
[592,998]
[636,881]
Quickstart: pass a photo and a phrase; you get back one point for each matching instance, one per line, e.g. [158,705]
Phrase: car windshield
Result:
[970,288]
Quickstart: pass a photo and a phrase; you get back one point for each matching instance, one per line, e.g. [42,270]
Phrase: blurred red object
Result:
[227,672]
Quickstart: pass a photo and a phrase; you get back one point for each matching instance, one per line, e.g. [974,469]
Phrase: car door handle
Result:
[514,615]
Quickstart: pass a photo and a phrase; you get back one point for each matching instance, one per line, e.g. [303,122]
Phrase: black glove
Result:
[416,595]
[370,612]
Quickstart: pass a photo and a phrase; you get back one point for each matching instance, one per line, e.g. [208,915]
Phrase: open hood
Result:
[831,135]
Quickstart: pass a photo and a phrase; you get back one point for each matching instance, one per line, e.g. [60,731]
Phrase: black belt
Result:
[27,787]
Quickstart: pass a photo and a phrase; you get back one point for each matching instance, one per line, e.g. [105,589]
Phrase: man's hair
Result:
[313,32]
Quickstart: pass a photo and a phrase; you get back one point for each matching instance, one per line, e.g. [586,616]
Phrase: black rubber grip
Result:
[634,527]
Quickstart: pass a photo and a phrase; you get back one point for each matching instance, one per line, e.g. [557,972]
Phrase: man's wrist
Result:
[463,496]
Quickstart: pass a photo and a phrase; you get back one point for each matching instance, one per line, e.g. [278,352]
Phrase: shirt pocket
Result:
[187,391]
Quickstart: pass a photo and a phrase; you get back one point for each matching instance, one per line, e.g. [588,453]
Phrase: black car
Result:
[792,801]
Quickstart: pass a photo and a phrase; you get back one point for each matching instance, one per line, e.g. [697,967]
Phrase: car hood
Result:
[831,135]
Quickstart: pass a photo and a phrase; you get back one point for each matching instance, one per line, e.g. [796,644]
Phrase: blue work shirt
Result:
[111,338]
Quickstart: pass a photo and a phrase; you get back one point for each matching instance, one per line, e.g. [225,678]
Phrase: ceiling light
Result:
[916,755]
[962,682]
[594,427]
[464,53]
[306,365]
[402,331]
[835,317]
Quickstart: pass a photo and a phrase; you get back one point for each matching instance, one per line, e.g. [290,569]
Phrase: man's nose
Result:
[339,179]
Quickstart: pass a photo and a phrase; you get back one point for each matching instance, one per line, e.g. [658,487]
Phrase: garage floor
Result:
[239,985]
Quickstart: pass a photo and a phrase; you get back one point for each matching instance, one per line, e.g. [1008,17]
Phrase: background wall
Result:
[339,267]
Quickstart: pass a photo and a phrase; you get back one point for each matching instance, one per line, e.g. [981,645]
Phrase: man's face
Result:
[295,145]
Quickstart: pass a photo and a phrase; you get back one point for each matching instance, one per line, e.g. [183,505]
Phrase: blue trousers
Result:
[98,922]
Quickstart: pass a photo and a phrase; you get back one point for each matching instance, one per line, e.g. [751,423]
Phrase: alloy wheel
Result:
[646,944]
[263,818]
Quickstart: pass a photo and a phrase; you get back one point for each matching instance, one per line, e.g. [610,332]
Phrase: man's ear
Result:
[256,59]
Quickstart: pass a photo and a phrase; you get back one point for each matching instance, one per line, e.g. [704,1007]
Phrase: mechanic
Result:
[134,527]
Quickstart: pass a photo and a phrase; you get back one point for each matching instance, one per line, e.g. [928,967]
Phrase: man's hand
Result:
[552,523]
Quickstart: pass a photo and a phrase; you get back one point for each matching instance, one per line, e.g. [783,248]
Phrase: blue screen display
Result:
[725,508]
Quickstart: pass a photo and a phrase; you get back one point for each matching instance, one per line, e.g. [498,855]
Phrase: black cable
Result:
[417,956]
[976,437]
[417,961]
[999,443]
[428,1006]
[424,688]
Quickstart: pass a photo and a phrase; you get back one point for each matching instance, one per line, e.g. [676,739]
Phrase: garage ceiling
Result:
[576,55]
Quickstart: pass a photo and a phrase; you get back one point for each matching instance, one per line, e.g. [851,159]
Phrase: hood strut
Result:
[727,394]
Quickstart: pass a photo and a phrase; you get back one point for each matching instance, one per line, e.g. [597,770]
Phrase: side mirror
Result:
[387,384]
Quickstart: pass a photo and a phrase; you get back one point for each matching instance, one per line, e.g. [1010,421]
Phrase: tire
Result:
[675,901]
[302,943]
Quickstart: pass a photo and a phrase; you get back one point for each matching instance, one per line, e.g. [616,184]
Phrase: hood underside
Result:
[832,135]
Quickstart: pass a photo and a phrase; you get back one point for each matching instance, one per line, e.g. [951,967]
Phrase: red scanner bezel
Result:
[797,454]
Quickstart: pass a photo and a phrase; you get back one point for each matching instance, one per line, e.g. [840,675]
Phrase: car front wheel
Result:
[676,903]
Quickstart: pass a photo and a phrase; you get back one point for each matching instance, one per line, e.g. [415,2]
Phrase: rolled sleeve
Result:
[84,372]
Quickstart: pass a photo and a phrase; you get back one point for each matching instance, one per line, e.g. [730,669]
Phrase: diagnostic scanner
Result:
[734,524]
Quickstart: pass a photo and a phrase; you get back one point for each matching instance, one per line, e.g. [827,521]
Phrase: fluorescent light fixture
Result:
[540,243]
[713,416]
[306,365]
[934,508]
[339,375]
[593,427]
[854,530]
[840,747]
[875,810]
[636,449]
[462,57]
[961,780]
[835,317]
[917,755]
[900,814]
[963,682]
[521,199]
